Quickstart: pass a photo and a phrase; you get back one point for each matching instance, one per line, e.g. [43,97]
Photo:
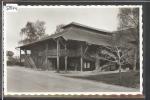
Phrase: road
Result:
[29,80]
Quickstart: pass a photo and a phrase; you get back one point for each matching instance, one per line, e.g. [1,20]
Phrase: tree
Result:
[11,60]
[59,28]
[129,18]
[32,31]
[10,53]
[117,53]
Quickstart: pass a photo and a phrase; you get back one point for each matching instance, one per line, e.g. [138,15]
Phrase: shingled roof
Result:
[79,32]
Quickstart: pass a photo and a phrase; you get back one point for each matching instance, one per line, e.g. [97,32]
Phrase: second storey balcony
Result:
[62,52]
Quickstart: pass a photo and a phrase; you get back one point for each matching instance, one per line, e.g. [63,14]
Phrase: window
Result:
[87,65]
[29,52]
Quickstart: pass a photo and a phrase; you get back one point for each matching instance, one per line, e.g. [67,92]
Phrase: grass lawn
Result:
[128,79]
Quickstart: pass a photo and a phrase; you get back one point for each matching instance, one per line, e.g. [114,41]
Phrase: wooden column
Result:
[58,51]
[20,55]
[66,57]
[81,59]
[46,53]
[81,62]
[97,62]
[25,51]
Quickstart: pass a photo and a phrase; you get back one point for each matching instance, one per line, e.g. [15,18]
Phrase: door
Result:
[51,63]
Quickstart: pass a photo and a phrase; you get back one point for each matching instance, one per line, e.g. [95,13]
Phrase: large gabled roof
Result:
[79,32]
[88,28]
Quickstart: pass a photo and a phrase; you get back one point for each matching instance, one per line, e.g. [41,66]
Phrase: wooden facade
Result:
[75,48]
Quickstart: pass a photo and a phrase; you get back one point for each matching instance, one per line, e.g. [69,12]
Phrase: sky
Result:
[102,18]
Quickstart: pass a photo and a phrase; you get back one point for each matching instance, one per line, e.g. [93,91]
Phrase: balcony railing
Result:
[71,53]
[54,52]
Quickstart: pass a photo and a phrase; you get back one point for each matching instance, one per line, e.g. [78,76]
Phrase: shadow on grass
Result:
[128,79]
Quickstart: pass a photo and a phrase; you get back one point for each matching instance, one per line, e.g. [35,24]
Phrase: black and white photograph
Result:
[73,49]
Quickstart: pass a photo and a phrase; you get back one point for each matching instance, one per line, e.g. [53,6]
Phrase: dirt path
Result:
[29,80]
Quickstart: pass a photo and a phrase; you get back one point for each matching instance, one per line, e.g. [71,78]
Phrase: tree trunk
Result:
[120,73]
[135,59]
[81,64]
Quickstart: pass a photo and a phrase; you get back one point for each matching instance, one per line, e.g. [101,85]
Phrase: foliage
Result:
[129,18]
[32,31]
[117,52]
[9,53]
[11,61]
[14,61]
[116,55]
[59,28]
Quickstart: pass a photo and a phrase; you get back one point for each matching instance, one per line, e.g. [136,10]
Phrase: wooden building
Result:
[74,48]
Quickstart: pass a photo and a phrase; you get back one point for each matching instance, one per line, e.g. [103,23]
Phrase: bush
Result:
[19,63]
[109,67]
[11,61]
[14,61]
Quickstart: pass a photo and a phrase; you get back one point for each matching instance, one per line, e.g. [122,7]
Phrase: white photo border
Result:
[6,93]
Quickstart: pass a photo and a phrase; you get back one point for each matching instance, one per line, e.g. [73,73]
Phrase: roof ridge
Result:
[89,27]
